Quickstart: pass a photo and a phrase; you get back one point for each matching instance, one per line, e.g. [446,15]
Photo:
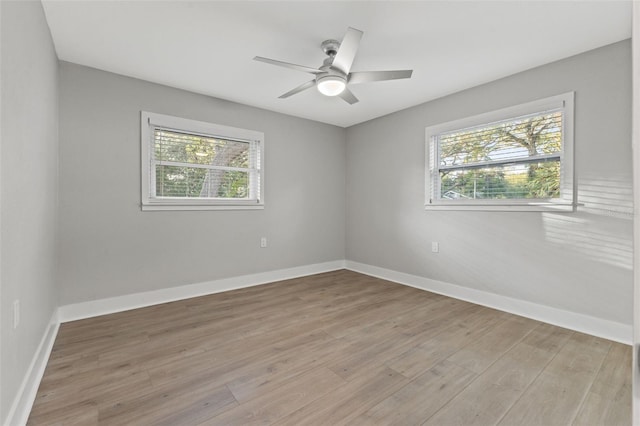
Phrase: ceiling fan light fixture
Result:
[332,76]
[331,85]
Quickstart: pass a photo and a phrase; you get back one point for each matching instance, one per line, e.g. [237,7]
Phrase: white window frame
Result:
[567,200]
[149,121]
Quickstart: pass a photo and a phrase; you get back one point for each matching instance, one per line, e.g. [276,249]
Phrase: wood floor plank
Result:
[486,400]
[557,393]
[439,314]
[169,405]
[92,387]
[362,356]
[292,395]
[420,399]
[373,351]
[262,377]
[446,340]
[348,401]
[607,402]
[332,348]
[481,353]
[84,413]
[228,363]
[160,351]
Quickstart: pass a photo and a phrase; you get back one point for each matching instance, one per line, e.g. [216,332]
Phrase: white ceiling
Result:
[207,46]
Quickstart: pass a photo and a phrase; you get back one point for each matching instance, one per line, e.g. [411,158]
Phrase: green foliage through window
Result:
[197,166]
[513,159]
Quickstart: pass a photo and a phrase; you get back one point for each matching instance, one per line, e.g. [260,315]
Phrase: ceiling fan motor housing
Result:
[332,81]
[330,47]
[332,77]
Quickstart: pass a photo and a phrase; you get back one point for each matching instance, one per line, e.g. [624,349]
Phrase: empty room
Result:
[318,213]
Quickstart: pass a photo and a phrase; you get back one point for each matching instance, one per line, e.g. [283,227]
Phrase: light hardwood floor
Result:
[329,349]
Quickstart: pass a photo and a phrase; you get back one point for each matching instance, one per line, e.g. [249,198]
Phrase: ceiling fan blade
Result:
[347,51]
[298,89]
[348,96]
[287,65]
[369,76]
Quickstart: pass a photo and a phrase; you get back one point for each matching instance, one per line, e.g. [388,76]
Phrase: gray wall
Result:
[581,262]
[109,247]
[28,177]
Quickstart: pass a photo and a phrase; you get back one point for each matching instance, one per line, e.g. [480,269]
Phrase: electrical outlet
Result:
[435,247]
[16,313]
[263,242]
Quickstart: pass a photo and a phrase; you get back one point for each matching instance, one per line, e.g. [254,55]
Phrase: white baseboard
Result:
[23,402]
[611,330]
[111,305]
[574,321]
[21,407]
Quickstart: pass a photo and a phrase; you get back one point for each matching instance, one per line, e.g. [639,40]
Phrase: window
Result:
[193,165]
[518,158]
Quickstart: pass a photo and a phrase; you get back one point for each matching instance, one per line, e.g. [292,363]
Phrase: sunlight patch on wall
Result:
[601,228]
[590,238]
[611,196]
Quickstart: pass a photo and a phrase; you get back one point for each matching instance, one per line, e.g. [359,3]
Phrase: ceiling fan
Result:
[335,74]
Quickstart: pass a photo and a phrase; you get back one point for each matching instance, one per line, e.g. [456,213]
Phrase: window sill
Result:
[194,207]
[503,207]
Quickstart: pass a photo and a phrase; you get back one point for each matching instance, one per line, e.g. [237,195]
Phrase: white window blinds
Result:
[514,158]
[195,165]
[199,166]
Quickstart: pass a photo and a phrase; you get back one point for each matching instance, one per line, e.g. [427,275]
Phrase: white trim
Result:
[579,322]
[503,114]
[23,402]
[149,119]
[635,144]
[26,395]
[567,201]
[202,127]
[504,207]
[24,399]
[499,115]
[111,305]
[161,207]
[489,163]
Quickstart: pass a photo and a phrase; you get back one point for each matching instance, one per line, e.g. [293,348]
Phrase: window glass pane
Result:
[195,149]
[196,165]
[514,139]
[176,181]
[226,184]
[529,181]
